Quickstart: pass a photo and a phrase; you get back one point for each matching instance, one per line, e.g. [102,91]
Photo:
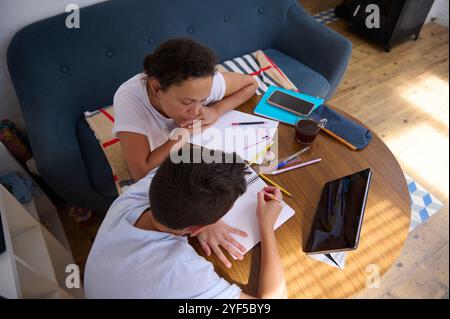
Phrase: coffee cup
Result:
[307,129]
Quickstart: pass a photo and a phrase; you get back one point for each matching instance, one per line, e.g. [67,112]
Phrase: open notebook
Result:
[246,140]
[243,214]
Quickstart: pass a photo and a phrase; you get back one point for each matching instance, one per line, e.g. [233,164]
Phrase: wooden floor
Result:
[403,97]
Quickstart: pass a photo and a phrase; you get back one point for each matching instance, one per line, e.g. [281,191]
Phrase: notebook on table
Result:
[243,214]
[246,140]
[272,112]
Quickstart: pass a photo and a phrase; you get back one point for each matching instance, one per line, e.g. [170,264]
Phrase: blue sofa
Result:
[59,73]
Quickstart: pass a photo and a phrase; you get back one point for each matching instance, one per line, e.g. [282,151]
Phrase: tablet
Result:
[339,216]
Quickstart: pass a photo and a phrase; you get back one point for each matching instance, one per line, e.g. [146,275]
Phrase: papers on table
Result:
[333,259]
[243,214]
[246,140]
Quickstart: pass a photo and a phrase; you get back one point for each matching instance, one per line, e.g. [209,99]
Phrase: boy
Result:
[141,249]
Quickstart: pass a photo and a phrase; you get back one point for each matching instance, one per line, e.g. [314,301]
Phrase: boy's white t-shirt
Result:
[134,113]
[128,262]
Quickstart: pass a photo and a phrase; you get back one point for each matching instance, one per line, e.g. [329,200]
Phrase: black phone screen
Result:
[290,103]
[340,213]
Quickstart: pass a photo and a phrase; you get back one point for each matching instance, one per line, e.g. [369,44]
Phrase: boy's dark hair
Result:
[191,194]
[176,60]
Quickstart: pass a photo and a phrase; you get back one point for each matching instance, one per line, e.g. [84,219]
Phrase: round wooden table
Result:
[384,231]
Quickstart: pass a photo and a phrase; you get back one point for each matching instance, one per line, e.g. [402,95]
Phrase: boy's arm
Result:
[272,283]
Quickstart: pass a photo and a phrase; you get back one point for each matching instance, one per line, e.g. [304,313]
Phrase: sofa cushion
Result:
[261,68]
[307,80]
[99,171]
[101,123]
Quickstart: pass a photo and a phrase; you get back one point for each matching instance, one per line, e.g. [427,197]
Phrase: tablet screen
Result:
[339,216]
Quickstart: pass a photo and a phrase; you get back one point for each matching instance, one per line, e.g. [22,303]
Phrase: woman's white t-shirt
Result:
[134,113]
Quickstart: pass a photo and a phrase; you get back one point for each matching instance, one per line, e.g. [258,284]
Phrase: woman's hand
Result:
[207,115]
[218,234]
[185,132]
[198,126]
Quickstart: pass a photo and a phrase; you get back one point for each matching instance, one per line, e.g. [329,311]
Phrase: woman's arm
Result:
[140,159]
[239,89]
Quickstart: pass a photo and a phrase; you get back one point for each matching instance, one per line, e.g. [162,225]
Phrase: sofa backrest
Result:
[58,69]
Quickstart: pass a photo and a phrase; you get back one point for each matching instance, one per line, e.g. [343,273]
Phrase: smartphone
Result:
[290,103]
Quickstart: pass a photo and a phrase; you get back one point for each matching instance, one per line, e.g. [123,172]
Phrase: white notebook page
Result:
[243,214]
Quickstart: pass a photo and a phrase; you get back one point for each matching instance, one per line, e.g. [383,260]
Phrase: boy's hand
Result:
[268,209]
[218,234]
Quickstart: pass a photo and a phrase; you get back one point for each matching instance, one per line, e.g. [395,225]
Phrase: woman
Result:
[179,85]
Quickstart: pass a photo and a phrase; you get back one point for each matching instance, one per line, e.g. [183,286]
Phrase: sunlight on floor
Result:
[423,148]
[431,96]
[425,151]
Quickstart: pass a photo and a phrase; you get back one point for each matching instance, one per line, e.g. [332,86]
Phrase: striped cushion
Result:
[261,67]
[101,123]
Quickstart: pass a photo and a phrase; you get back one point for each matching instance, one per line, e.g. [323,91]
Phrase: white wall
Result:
[439,12]
[14,15]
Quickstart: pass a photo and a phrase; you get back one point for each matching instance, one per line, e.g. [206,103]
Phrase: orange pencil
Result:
[340,139]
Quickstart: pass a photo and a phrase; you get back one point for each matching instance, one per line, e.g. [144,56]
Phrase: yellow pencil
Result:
[260,153]
[275,184]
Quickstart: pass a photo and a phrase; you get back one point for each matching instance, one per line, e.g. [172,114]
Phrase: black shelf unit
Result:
[399,19]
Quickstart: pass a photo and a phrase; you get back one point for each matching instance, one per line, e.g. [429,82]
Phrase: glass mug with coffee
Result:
[307,129]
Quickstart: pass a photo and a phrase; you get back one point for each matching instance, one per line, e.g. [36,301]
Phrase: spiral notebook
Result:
[243,214]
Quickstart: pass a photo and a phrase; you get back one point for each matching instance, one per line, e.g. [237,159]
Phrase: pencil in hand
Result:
[270,192]
[273,198]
